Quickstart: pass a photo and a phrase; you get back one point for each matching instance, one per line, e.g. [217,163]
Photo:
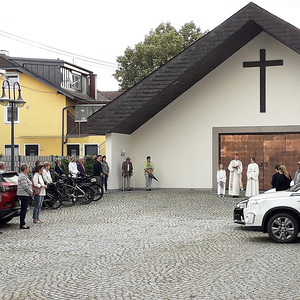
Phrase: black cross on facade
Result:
[263,64]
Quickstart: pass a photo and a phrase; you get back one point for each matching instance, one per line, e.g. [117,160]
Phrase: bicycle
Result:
[98,188]
[53,198]
[73,192]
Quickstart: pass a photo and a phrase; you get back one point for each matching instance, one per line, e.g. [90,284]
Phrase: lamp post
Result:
[19,102]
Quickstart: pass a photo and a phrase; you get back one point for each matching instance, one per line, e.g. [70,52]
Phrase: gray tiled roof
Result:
[109,95]
[144,100]
[34,68]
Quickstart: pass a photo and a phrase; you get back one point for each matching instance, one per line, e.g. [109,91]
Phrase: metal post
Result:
[12,127]
[14,104]
[12,136]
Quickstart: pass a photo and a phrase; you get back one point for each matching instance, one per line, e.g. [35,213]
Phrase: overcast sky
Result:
[103,29]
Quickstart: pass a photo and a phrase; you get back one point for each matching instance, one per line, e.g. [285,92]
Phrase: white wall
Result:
[179,138]
[114,145]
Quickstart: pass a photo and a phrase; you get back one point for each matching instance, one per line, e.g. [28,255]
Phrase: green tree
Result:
[190,33]
[158,47]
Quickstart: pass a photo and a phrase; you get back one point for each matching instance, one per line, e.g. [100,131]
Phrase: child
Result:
[221,180]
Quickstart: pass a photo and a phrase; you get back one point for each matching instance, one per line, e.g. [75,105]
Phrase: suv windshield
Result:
[294,188]
[9,177]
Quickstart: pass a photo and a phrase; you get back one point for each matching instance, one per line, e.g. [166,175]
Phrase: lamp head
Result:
[20,102]
[4,100]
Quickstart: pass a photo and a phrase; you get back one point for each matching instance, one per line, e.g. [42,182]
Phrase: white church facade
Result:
[239,93]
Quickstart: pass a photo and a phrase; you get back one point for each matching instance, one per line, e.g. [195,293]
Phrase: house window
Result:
[7,150]
[82,112]
[73,150]
[31,150]
[90,149]
[7,114]
[71,80]
[11,78]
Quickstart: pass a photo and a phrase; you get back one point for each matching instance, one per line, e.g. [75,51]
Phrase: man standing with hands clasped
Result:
[127,170]
[235,177]
[98,169]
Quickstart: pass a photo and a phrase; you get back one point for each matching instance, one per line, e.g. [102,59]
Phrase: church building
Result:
[235,90]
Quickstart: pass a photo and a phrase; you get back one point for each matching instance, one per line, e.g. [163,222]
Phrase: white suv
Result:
[277,213]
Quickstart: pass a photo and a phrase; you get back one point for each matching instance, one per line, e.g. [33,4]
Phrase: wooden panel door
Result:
[268,149]
[252,146]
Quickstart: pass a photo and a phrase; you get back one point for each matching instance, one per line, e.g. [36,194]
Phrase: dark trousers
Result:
[104,181]
[24,206]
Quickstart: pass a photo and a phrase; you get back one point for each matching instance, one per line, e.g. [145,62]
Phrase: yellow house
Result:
[59,97]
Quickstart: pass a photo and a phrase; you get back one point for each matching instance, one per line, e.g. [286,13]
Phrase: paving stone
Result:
[164,244]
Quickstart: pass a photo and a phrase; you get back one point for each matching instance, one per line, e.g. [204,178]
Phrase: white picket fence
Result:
[29,160]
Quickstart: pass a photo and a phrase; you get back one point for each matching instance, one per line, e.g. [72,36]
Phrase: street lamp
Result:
[19,102]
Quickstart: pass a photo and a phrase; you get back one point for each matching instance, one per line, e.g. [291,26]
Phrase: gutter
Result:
[63,129]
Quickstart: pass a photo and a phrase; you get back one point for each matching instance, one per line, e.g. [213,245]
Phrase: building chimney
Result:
[93,86]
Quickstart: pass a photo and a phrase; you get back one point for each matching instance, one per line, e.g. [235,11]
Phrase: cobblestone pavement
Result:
[162,244]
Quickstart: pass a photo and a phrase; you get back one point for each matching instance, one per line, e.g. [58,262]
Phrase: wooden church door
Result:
[268,150]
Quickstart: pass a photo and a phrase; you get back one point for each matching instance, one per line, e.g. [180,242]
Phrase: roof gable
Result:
[132,109]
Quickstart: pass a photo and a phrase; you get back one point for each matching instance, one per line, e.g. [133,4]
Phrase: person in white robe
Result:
[221,180]
[235,177]
[252,188]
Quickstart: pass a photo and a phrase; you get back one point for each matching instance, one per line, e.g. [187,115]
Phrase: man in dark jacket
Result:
[127,170]
[81,169]
[98,169]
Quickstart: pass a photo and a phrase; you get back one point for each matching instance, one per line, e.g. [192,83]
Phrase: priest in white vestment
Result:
[252,188]
[235,177]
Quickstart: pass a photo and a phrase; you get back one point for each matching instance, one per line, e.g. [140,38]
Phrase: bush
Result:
[89,165]
[65,165]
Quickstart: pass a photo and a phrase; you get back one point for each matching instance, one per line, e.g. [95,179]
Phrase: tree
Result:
[158,47]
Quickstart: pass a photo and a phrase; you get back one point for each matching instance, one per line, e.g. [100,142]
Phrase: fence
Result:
[29,160]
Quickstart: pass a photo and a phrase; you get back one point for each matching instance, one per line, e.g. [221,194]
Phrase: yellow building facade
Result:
[42,127]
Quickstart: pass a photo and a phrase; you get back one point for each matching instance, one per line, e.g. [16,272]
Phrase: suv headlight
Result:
[242,204]
[255,202]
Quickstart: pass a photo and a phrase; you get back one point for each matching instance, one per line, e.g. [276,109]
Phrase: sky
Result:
[102,30]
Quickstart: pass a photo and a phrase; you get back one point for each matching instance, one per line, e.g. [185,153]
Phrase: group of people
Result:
[101,171]
[35,187]
[281,180]
[78,169]
[42,179]
[127,172]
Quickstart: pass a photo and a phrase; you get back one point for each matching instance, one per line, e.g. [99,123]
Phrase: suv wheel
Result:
[283,228]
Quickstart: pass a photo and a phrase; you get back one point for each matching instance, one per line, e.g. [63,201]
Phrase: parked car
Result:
[275,213]
[9,203]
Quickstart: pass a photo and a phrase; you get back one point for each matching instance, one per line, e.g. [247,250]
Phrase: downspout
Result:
[63,129]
